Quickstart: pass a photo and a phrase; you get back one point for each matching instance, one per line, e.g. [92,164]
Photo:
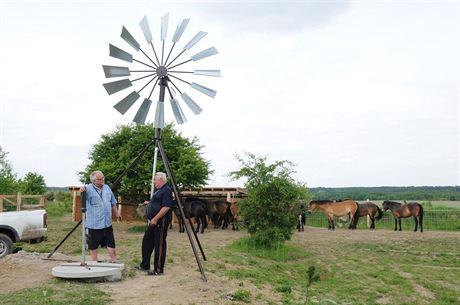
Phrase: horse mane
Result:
[321,201]
[340,200]
[392,202]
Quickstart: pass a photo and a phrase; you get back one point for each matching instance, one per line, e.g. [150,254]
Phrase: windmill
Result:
[164,71]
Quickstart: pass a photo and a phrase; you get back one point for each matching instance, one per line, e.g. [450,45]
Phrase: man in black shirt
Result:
[158,212]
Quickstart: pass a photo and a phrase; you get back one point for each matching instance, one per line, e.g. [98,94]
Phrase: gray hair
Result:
[162,176]
[93,175]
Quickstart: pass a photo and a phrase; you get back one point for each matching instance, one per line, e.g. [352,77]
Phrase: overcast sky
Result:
[356,93]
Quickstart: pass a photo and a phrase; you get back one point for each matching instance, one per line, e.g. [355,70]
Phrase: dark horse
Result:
[301,218]
[218,212]
[196,209]
[332,208]
[400,210]
[371,209]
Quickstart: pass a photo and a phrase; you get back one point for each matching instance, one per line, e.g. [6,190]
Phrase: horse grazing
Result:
[400,210]
[338,208]
[369,209]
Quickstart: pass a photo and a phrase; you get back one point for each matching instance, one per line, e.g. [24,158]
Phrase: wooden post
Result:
[1,204]
[18,201]
[42,201]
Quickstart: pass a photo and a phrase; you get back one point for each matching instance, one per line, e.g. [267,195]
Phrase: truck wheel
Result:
[6,245]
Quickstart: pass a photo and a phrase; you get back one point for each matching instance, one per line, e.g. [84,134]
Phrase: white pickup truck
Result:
[21,226]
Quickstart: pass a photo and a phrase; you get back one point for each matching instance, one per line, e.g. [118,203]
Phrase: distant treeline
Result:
[451,193]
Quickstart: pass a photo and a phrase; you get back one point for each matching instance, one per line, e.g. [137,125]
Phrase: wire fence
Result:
[436,220]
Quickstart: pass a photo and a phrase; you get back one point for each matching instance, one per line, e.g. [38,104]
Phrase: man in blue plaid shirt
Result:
[100,203]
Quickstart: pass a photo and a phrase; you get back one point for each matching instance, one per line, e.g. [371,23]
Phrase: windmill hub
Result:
[162,71]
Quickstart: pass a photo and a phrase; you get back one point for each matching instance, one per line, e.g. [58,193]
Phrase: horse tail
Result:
[356,216]
[421,212]
[379,213]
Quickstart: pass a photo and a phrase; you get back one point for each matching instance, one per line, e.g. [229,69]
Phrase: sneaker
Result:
[154,273]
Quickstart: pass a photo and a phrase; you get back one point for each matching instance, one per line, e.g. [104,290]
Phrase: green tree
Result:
[271,208]
[8,182]
[32,183]
[116,149]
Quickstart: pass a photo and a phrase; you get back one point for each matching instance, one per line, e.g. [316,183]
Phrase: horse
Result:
[300,222]
[301,218]
[233,215]
[371,209]
[218,212]
[196,209]
[400,210]
[338,208]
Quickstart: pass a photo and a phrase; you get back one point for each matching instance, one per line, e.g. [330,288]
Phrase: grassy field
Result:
[355,267]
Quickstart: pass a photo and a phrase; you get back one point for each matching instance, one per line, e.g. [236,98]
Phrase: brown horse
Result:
[233,217]
[332,208]
[400,210]
[371,209]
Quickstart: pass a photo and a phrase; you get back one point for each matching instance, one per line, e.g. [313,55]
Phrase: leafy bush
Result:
[60,205]
[58,208]
[271,208]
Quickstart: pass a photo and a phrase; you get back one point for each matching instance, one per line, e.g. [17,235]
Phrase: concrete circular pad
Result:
[92,270]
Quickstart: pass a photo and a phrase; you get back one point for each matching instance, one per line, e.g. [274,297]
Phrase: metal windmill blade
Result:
[148,70]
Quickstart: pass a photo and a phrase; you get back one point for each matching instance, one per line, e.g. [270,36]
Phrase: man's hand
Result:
[83,189]
[144,203]
[153,222]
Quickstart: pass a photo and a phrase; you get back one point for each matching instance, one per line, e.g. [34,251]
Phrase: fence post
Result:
[18,201]
[42,201]
[1,204]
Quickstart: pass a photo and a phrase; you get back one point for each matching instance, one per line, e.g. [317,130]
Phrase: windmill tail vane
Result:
[151,66]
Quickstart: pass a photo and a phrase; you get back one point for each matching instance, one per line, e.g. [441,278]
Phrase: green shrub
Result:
[58,208]
[271,208]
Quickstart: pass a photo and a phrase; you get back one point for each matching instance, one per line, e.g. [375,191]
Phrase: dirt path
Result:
[181,283]
[26,270]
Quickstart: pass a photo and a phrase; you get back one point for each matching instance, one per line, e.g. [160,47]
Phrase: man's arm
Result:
[116,212]
[113,202]
[160,215]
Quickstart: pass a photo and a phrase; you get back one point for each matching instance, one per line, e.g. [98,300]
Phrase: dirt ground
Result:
[181,283]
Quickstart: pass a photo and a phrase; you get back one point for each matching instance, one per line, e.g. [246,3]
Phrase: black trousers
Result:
[155,239]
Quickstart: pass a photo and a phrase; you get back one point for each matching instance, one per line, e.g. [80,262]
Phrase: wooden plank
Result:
[32,206]
[32,196]
[7,200]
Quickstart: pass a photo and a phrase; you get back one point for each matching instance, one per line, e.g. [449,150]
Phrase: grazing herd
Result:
[222,213]
[355,210]
[219,212]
